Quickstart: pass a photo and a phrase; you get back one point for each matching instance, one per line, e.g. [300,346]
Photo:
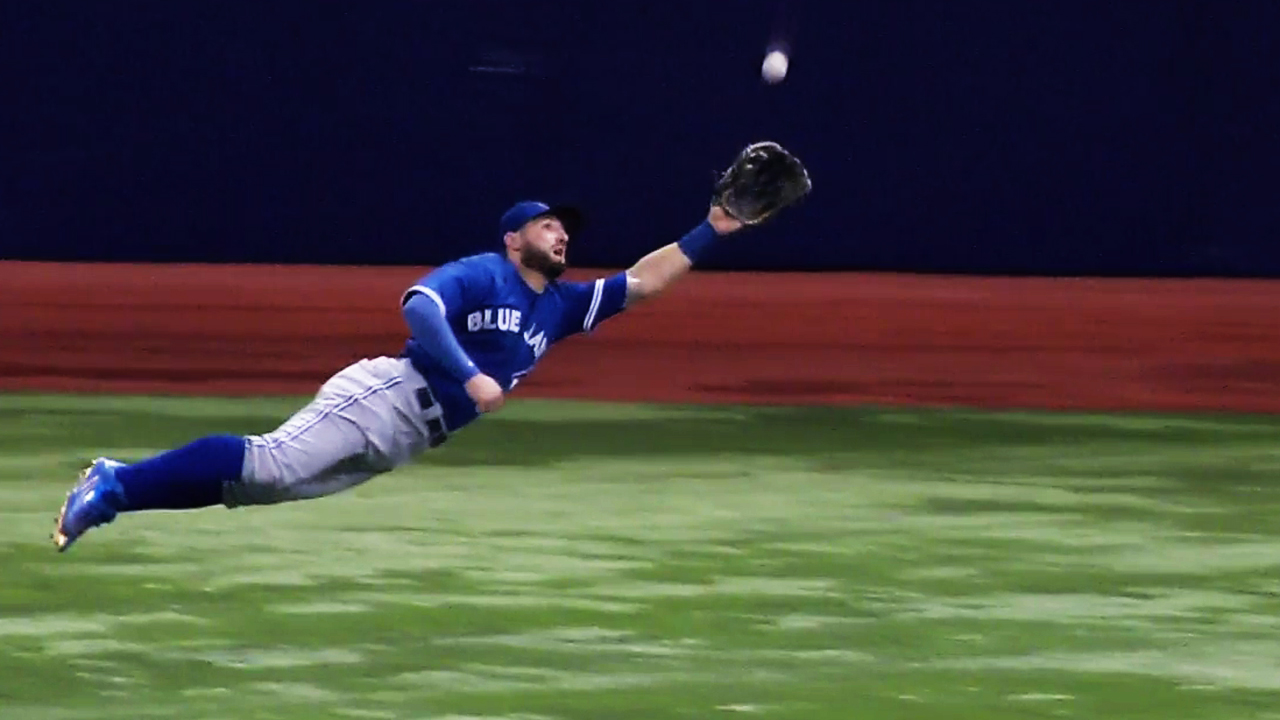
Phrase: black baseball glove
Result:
[762,180]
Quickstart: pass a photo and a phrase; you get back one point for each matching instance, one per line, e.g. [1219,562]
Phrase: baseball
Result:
[774,67]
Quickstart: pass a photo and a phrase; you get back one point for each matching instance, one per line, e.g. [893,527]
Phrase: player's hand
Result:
[486,392]
[722,222]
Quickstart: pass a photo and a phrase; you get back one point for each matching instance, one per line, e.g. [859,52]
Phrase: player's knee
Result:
[276,473]
[267,478]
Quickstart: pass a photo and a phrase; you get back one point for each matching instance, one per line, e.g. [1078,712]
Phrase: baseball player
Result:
[477,325]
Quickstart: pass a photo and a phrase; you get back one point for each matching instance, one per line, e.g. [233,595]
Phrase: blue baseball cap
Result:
[525,210]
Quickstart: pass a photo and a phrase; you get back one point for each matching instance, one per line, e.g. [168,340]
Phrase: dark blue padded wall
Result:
[1133,138]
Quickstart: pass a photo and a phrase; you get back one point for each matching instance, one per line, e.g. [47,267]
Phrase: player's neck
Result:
[532,278]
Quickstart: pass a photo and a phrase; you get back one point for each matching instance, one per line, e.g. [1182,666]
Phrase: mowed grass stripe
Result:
[591,561]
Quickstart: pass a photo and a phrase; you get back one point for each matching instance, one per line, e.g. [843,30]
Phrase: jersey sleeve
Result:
[457,287]
[587,304]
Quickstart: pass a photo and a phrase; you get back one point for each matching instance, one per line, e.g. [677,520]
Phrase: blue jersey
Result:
[504,325]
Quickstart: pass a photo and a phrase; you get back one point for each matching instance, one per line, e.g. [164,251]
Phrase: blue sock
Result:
[184,478]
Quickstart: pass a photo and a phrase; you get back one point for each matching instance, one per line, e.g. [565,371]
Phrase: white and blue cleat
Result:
[92,502]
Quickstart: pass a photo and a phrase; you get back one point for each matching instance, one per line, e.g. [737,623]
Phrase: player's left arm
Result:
[592,303]
[655,272]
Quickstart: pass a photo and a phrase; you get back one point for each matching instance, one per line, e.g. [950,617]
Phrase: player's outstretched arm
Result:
[762,180]
[655,272]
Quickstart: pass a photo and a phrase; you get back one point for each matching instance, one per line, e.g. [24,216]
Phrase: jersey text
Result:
[504,319]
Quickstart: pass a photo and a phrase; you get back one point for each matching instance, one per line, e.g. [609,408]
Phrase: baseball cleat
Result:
[92,502]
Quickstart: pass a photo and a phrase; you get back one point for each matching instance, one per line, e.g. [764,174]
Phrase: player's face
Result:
[543,246]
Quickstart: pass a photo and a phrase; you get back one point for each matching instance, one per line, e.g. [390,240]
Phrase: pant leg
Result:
[364,421]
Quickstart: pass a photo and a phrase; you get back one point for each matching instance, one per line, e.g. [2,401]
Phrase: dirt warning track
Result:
[777,338]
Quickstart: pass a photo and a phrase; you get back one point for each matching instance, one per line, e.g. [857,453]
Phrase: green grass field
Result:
[590,562]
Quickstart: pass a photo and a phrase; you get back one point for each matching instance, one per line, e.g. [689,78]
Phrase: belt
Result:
[437,434]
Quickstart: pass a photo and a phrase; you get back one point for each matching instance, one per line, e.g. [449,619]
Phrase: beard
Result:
[542,262]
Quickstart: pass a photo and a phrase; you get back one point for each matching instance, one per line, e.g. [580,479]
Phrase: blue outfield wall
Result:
[1022,137]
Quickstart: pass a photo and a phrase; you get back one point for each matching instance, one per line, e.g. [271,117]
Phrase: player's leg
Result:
[187,477]
[366,419]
